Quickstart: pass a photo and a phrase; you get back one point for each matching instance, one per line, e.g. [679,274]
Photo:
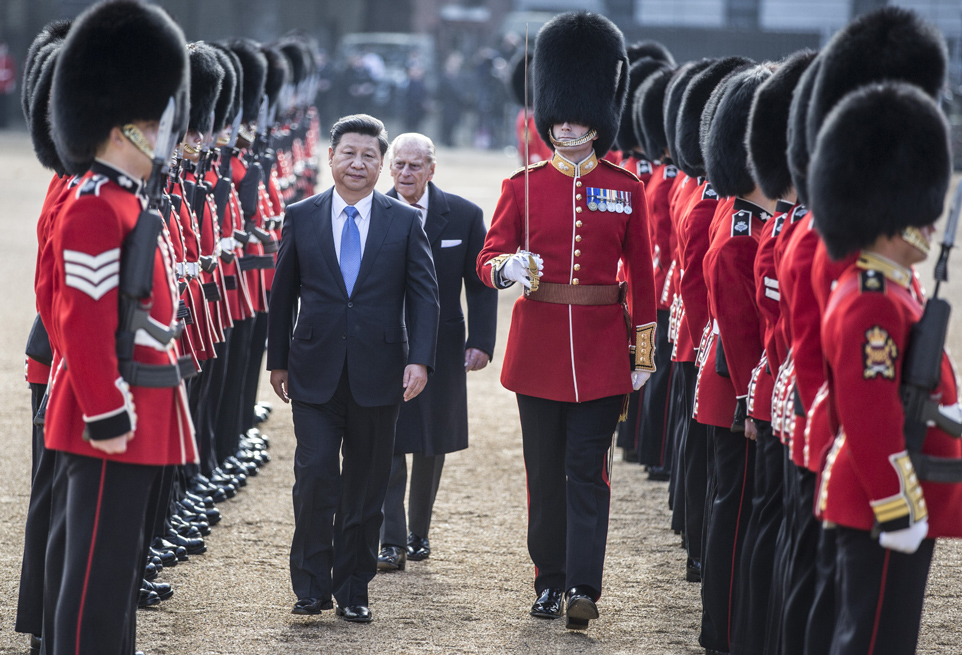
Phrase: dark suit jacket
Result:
[436,421]
[368,329]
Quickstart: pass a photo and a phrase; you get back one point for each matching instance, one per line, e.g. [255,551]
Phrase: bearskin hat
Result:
[254,64]
[650,50]
[278,74]
[726,156]
[696,95]
[121,61]
[233,64]
[649,114]
[674,92]
[228,90]
[589,48]
[39,121]
[882,162]
[798,153]
[206,76]
[767,138]
[628,139]
[516,78]
[297,58]
[887,44]
[51,36]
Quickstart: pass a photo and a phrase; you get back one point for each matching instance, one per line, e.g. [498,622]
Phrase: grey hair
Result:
[423,142]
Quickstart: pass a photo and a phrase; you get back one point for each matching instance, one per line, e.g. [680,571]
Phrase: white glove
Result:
[517,268]
[906,540]
[638,379]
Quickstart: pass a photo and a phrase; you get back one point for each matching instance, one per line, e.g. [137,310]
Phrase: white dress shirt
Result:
[338,217]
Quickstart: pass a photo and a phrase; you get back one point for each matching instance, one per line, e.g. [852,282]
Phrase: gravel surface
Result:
[471,596]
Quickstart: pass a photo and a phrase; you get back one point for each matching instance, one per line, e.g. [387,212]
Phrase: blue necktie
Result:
[350,249]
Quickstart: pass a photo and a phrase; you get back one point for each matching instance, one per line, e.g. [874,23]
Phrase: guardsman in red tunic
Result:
[637,432]
[767,144]
[38,75]
[888,514]
[568,355]
[733,348]
[117,410]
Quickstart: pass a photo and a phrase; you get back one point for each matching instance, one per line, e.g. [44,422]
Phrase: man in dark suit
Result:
[353,258]
[436,422]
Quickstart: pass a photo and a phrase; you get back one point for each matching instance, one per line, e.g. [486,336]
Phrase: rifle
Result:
[922,369]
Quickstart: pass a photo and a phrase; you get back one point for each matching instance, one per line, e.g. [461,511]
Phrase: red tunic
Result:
[573,353]
[692,245]
[867,479]
[643,170]
[254,277]
[730,277]
[87,393]
[657,190]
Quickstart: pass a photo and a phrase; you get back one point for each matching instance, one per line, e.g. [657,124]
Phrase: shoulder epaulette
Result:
[671,171]
[709,193]
[742,223]
[618,168]
[871,281]
[91,186]
[531,167]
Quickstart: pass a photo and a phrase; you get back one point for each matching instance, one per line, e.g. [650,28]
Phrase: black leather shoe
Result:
[712,651]
[549,604]
[35,645]
[167,557]
[148,598]
[659,473]
[391,558]
[580,608]
[312,606]
[355,613]
[150,571]
[419,548]
[693,571]
[162,589]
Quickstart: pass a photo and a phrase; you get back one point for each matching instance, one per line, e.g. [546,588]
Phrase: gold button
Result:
[578,196]
[574,281]
[578,209]
[577,223]
[578,184]
[578,237]
[577,253]
[577,267]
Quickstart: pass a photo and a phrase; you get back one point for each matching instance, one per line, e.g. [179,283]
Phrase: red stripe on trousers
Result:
[881,598]
[90,556]
[731,583]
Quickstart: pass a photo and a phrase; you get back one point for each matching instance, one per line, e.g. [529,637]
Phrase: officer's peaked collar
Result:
[572,169]
[121,178]
[746,205]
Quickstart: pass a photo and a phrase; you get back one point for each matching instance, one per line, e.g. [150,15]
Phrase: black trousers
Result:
[337,506]
[821,618]
[680,400]
[755,583]
[569,493]
[630,429]
[252,376]
[425,480]
[30,602]
[653,435]
[800,592]
[734,461]
[879,595]
[228,425]
[95,557]
[210,409]
[784,544]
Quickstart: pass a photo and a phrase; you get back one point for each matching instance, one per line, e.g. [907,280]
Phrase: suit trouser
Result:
[734,474]
[800,592]
[879,595]
[755,582]
[95,557]
[425,479]
[653,435]
[569,493]
[821,618]
[30,602]
[252,376]
[337,507]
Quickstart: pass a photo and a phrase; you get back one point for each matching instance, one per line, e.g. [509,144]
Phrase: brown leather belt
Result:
[569,294]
